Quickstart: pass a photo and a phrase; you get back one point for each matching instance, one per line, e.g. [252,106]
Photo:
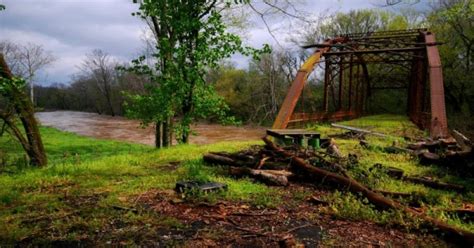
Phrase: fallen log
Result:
[359,130]
[435,184]
[428,157]
[463,142]
[394,194]
[391,171]
[429,182]
[213,158]
[275,165]
[397,150]
[275,178]
[245,158]
[465,214]
[378,200]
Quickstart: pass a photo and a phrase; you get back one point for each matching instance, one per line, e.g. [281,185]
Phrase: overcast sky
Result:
[71,28]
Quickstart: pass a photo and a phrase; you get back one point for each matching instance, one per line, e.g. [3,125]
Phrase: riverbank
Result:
[122,129]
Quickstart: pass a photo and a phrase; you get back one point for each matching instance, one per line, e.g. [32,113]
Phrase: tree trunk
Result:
[166,134]
[36,152]
[158,134]
[109,103]
[33,144]
[170,127]
[185,137]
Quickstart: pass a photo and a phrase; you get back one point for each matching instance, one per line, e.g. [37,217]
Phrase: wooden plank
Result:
[292,132]
[358,130]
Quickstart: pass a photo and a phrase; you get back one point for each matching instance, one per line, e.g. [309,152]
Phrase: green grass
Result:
[435,201]
[91,176]
[73,197]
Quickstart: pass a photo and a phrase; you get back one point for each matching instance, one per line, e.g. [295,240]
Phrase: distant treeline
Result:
[255,94]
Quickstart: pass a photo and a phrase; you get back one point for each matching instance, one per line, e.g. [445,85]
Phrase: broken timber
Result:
[378,200]
[358,130]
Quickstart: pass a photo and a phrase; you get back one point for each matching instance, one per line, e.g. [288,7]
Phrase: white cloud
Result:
[70,28]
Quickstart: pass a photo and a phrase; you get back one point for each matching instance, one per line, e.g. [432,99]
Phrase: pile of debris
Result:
[454,151]
[276,165]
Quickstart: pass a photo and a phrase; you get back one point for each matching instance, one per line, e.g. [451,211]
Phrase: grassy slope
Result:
[105,173]
[86,178]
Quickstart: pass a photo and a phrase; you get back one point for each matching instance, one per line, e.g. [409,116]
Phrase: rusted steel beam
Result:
[417,93]
[295,90]
[414,31]
[382,61]
[415,47]
[388,36]
[439,123]
[341,81]
[350,84]
[390,50]
[326,85]
[321,116]
[357,89]
[372,43]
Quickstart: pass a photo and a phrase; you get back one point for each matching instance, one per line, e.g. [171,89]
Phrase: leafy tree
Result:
[453,24]
[191,38]
[26,60]
[14,105]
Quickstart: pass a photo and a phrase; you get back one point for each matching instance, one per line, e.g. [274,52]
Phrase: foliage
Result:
[453,23]
[9,85]
[26,60]
[190,38]
[254,94]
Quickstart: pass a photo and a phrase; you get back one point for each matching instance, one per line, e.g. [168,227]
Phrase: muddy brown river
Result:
[123,129]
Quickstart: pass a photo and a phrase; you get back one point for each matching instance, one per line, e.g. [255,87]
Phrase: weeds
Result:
[86,177]
[376,178]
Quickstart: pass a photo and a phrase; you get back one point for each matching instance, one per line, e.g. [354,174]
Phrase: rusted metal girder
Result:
[375,51]
[369,35]
[322,116]
[296,88]
[341,81]
[439,122]
[415,49]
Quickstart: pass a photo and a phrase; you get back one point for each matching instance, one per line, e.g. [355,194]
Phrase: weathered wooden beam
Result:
[359,130]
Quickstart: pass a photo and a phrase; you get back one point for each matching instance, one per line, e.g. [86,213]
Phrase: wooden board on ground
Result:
[279,133]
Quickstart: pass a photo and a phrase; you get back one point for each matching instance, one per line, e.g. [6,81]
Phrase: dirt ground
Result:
[296,223]
[123,129]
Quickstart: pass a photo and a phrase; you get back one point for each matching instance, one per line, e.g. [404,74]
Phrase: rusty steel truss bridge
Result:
[346,60]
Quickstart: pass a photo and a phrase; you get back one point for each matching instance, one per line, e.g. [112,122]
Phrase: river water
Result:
[123,129]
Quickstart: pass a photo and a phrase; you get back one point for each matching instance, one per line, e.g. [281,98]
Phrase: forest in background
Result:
[388,185]
[255,93]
